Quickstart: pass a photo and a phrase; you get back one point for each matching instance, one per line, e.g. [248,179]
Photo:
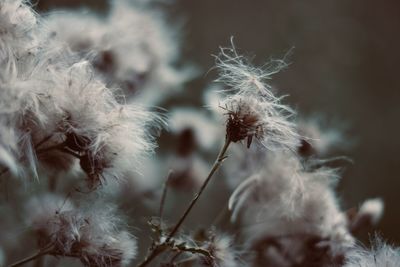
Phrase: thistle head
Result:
[222,250]
[91,235]
[252,110]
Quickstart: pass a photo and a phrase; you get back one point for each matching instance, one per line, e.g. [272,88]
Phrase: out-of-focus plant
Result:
[77,133]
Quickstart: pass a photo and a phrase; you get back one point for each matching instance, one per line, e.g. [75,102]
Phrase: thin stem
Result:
[30,258]
[164,194]
[159,249]
[215,167]
[154,253]
[175,257]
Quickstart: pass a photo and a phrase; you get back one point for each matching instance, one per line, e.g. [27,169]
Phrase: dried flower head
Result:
[253,110]
[236,72]
[93,236]
[222,250]
[56,110]
[59,111]
[282,199]
[249,117]
[133,47]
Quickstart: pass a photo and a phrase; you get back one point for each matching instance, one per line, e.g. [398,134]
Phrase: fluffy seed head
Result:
[133,47]
[241,77]
[251,117]
[92,235]
[381,254]
[253,110]
[17,22]
[223,253]
[283,199]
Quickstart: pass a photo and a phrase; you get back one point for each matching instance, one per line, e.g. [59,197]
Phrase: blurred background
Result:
[343,66]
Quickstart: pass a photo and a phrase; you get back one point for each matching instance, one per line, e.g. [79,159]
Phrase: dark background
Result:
[344,65]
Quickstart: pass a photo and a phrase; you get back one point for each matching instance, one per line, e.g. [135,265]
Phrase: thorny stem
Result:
[159,248]
[30,258]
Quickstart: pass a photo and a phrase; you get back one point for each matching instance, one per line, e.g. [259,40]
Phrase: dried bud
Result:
[251,117]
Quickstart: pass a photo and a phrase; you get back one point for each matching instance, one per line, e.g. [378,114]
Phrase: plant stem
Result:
[215,167]
[154,253]
[157,250]
[30,258]
[164,194]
